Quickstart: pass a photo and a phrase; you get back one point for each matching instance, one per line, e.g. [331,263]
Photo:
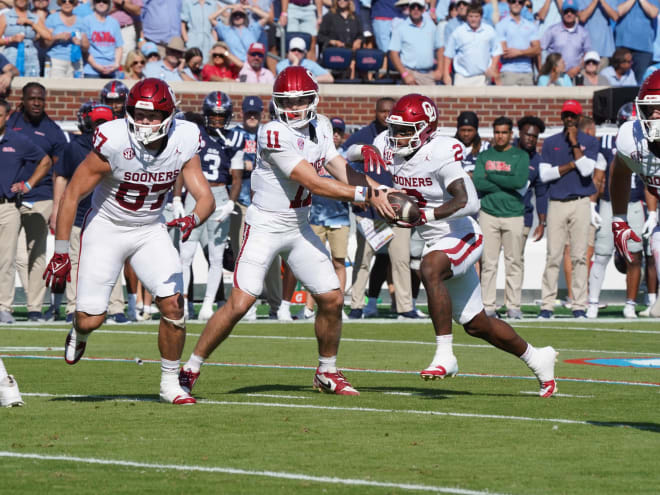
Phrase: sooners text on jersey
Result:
[135,191]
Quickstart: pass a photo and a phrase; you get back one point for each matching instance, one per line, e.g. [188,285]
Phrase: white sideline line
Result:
[344,339]
[244,472]
[416,412]
[275,396]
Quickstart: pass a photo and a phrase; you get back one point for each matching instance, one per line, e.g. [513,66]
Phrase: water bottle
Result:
[20,58]
[119,73]
[579,79]
[75,55]
[47,68]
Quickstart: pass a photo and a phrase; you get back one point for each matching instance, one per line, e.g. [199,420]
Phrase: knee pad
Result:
[180,323]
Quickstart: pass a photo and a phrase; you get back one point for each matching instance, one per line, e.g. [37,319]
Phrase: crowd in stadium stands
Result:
[560,190]
[450,42]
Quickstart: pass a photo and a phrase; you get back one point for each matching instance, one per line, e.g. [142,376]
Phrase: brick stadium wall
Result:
[354,103]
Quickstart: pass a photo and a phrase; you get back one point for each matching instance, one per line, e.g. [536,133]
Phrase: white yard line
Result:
[325,480]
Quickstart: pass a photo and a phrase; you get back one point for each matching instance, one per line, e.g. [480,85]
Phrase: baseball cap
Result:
[297,43]
[338,123]
[148,48]
[570,5]
[252,104]
[417,2]
[401,3]
[592,55]
[257,47]
[468,118]
[176,43]
[572,106]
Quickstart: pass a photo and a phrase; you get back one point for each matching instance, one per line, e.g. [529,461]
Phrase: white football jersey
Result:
[426,177]
[135,192]
[282,203]
[633,148]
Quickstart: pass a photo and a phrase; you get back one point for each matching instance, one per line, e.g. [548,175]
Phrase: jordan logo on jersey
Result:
[129,154]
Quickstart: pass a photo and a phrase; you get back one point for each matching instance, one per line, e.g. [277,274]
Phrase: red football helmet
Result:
[414,118]
[150,94]
[647,99]
[295,86]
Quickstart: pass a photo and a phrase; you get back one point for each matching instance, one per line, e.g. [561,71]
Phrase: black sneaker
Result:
[118,318]
[412,314]
[35,316]
[355,314]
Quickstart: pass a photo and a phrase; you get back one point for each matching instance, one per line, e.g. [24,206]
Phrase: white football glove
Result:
[596,219]
[224,211]
[177,207]
[650,224]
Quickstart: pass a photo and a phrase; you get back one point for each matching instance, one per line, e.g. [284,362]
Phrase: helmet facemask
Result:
[645,108]
[284,103]
[148,133]
[410,131]
[216,127]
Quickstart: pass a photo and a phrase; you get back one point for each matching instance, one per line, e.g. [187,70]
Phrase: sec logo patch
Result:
[301,143]
[129,154]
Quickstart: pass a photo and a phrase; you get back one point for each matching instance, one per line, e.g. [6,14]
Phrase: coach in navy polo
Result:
[31,120]
[18,153]
[567,164]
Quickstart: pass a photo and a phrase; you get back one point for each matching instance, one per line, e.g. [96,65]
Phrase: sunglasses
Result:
[214,55]
[297,50]
[519,2]
[72,2]
[139,62]
[256,54]
[103,1]
[566,115]
[570,11]
[416,6]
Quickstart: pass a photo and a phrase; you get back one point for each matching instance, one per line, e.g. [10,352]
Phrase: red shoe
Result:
[544,369]
[73,349]
[333,383]
[548,389]
[187,379]
[439,371]
[176,395]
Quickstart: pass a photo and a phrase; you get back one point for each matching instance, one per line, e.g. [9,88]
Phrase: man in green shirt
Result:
[501,177]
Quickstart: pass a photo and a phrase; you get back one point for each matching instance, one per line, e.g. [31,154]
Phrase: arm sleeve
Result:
[395,41]
[547,172]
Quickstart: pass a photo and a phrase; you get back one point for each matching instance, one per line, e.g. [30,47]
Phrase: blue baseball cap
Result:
[252,104]
[338,123]
[148,48]
[570,5]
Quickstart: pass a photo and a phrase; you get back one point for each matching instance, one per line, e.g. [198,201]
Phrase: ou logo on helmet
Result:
[429,110]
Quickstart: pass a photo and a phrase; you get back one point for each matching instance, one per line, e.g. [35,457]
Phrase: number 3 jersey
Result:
[135,192]
[278,202]
[633,148]
[426,177]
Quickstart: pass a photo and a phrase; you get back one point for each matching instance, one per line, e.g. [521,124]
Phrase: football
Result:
[405,207]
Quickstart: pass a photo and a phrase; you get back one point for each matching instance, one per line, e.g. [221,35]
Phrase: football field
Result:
[259,427]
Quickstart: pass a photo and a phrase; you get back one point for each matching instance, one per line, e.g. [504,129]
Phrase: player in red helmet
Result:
[293,151]
[428,167]
[638,151]
[133,164]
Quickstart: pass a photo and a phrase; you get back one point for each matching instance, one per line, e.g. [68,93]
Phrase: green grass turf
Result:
[473,433]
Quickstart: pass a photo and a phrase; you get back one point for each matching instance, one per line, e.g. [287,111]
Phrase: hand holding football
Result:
[405,207]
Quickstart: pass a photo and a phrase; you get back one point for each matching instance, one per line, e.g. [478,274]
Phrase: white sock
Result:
[194,364]
[651,298]
[132,299]
[630,302]
[529,355]
[3,371]
[597,276]
[328,364]
[285,305]
[169,372]
[309,312]
[443,349]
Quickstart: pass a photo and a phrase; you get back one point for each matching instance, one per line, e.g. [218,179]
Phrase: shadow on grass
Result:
[108,398]
[654,427]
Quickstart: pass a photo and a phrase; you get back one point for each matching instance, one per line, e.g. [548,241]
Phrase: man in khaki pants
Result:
[30,120]
[501,177]
[17,154]
[567,163]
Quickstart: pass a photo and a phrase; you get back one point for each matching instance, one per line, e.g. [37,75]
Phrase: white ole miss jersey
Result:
[135,192]
[633,148]
[426,177]
[278,202]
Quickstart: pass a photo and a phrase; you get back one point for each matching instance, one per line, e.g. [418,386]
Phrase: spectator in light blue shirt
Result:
[493,18]
[161,20]
[240,33]
[167,69]
[415,47]
[452,24]
[196,28]
[520,46]
[568,38]
[553,72]
[63,25]
[635,30]
[474,49]
[102,41]
[620,73]
[595,16]
[547,13]
[296,56]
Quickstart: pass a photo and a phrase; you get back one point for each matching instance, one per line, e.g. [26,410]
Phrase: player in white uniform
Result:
[134,164]
[428,167]
[638,151]
[291,154]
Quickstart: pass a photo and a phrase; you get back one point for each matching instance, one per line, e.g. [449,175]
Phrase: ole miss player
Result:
[428,167]
[132,167]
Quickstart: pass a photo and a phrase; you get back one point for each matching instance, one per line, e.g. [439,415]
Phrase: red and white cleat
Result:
[176,395]
[187,379]
[440,370]
[73,348]
[333,383]
[544,369]
[9,394]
